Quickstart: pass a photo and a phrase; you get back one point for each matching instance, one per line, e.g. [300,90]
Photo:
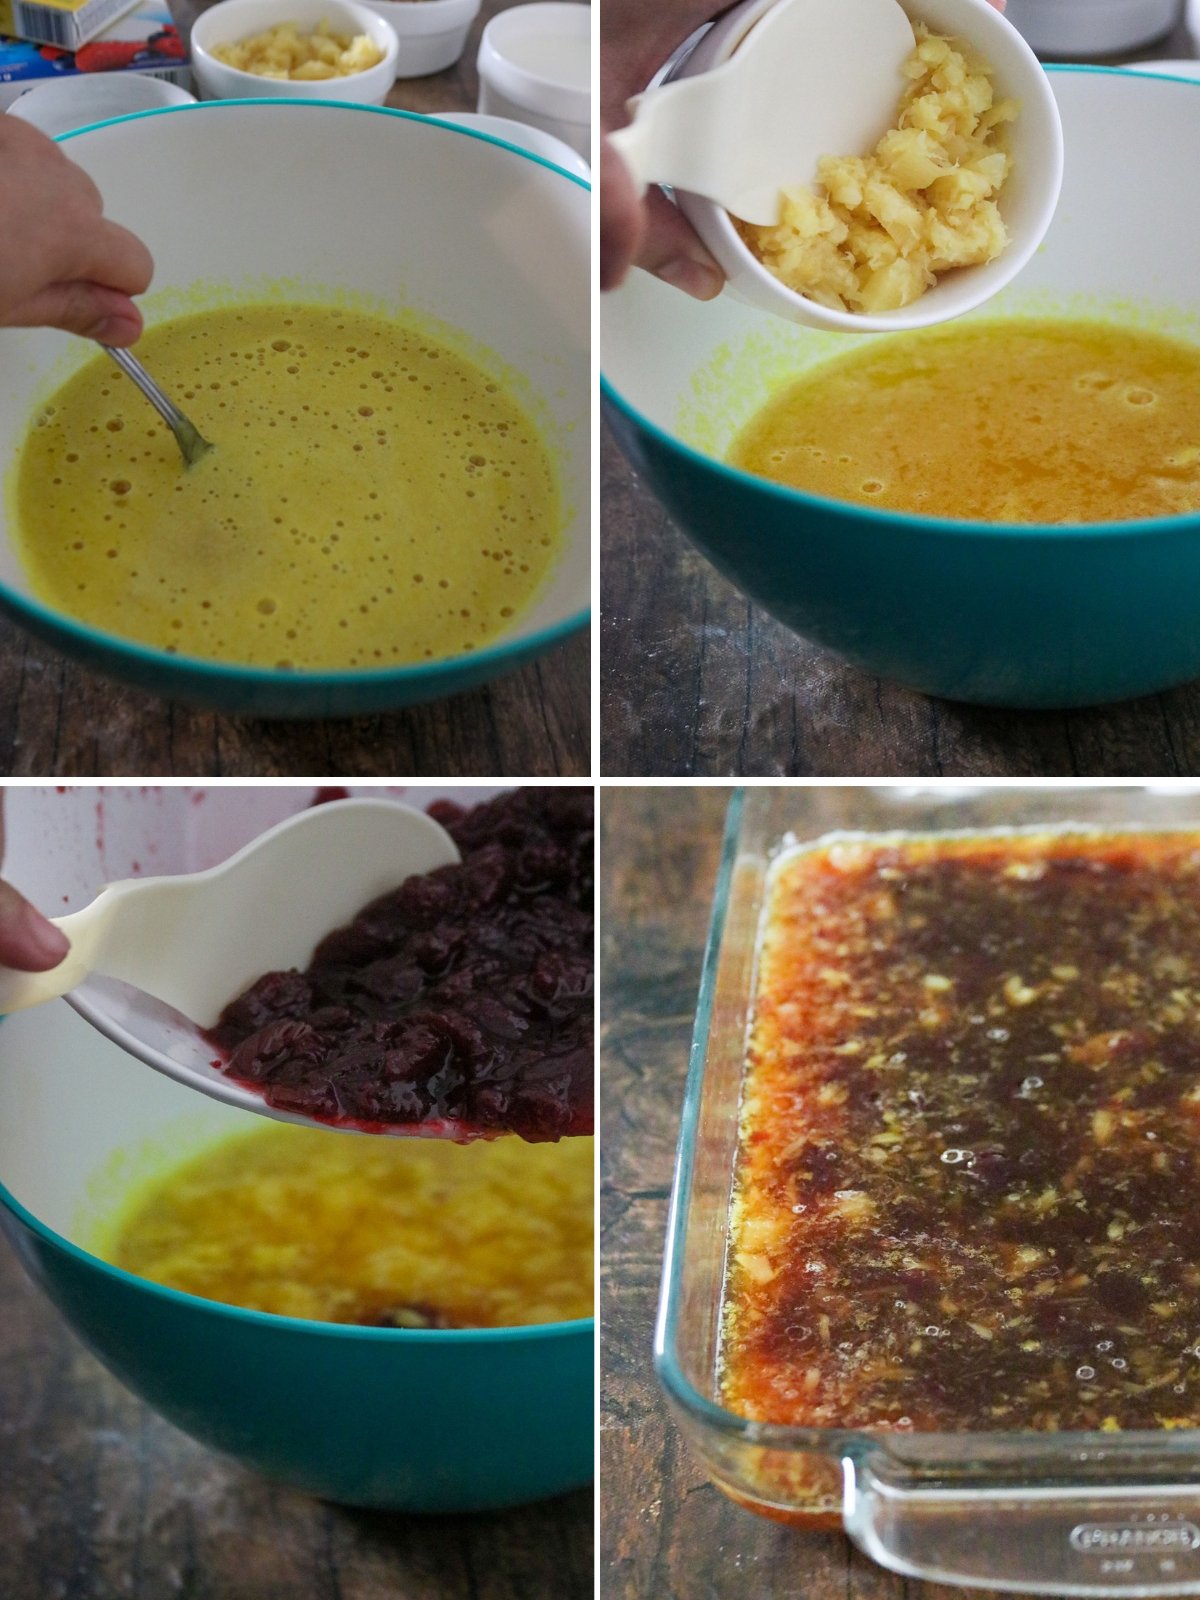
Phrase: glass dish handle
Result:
[1104,1539]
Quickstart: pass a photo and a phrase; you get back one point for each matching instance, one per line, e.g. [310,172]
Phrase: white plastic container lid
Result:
[540,56]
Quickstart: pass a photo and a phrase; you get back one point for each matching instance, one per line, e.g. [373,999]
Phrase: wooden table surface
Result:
[100,1499]
[665,1530]
[696,681]
[59,719]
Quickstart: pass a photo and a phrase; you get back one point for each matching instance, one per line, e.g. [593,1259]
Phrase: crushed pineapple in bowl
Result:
[945,210]
[300,49]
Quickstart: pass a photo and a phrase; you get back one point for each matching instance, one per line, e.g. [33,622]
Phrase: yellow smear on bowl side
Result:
[344,1228]
[375,497]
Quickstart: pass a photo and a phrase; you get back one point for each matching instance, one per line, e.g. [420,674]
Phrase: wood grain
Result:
[58,719]
[696,682]
[665,1530]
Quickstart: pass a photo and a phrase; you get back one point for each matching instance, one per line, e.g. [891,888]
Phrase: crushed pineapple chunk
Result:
[878,230]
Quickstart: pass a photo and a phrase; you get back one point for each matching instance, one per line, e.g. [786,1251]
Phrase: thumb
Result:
[88,309]
[27,941]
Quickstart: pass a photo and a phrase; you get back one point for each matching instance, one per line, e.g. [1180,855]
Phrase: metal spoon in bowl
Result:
[188,437]
[153,961]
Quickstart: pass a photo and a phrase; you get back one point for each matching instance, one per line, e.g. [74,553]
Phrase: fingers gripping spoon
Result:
[155,960]
[812,78]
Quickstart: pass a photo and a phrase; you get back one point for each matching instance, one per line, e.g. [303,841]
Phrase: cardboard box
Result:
[64,23]
[144,40]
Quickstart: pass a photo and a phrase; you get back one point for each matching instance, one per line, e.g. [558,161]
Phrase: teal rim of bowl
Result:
[223,672]
[271,1319]
[1182,522]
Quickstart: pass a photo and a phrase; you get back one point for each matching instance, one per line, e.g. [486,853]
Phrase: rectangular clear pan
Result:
[1067,1513]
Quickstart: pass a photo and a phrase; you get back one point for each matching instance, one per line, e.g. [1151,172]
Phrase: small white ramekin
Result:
[432,33]
[232,20]
[520,78]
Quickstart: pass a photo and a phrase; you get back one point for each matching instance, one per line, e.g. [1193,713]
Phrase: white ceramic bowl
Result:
[534,67]
[1026,203]
[66,103]
[382,204]
[432,33]
[520,133]
[1166,69]
[232,20]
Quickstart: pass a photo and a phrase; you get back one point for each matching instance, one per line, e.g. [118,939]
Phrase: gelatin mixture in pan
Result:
[968,1186]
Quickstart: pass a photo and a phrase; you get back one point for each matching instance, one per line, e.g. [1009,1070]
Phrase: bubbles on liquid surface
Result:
[315,564]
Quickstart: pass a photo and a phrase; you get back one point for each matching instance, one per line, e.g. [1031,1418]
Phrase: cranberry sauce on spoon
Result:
[459,1003]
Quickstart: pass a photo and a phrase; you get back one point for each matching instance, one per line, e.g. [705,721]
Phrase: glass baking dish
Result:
[1065,1513]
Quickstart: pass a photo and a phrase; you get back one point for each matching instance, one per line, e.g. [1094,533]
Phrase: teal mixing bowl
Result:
[390,209]
[424,1421]
[1050,616]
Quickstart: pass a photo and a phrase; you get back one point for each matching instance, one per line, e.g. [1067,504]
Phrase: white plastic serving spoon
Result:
[812,78]
[155,960]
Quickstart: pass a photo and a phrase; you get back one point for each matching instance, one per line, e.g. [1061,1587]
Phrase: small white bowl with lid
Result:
[432,33]
[535,66]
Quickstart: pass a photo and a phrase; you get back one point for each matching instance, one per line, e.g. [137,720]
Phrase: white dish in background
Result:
[230,21]
[531,139]
[64,104]
[432,33]
[1027,203]
[535,67]
[1073,29]
[1166,69]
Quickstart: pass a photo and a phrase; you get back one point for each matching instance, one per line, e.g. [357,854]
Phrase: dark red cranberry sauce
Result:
[463,998]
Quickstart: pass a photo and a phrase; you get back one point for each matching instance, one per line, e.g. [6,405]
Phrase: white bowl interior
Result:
[411,215]
[80,1120]
[1121,246]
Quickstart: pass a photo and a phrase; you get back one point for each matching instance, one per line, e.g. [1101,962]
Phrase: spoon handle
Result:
[187,435]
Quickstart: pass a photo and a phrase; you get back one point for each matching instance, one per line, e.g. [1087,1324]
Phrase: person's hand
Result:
[27,941]
[62,264]
[647,231]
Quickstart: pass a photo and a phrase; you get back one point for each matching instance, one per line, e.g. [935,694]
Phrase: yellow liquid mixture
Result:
[339,1227]
[1013,421]
[373,497]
